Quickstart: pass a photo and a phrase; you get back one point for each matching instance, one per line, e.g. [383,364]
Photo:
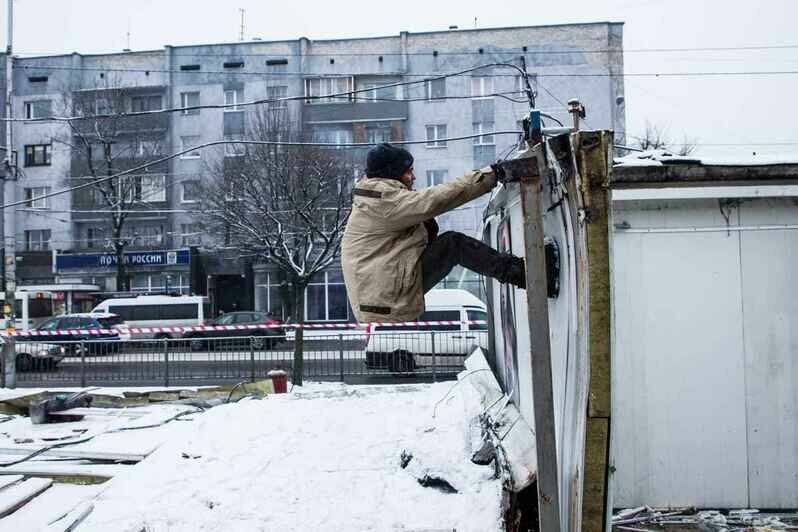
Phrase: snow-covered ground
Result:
[326,457]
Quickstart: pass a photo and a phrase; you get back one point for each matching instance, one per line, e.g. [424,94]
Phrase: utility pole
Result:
[9,247]
[241,34]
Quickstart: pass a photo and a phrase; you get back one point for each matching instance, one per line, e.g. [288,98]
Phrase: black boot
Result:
[512,271]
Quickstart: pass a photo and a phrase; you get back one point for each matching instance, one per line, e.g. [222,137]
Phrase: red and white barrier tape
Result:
[368,327]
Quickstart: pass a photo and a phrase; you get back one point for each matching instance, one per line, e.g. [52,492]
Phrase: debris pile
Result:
[639,519]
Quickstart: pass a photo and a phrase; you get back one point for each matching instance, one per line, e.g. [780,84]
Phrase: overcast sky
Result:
[742,109]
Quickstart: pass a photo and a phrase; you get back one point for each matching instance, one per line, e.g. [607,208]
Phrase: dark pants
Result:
[452,248]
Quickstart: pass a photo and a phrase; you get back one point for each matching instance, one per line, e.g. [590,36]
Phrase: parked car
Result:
[408,347]
[32,356]
[263,338]
[97,344]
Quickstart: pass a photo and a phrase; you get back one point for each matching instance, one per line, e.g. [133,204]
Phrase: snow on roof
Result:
[318,460]
[663,157]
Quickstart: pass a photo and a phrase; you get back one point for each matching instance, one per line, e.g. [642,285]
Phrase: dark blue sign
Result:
[133,258]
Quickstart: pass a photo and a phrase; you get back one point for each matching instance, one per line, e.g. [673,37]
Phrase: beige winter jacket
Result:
[385,237]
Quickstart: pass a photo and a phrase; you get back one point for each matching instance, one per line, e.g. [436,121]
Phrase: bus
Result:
[30,309]
[157,311]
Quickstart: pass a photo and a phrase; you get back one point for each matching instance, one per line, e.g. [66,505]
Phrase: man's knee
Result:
[453,238]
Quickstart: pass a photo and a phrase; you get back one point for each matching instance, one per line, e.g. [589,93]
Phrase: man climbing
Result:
[391,253]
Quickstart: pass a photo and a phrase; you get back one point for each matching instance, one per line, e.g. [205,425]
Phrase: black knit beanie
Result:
[385,160]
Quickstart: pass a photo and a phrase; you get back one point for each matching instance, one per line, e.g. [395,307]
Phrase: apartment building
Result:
[69,239]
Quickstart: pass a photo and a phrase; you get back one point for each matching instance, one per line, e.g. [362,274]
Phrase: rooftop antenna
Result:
[241,34]
[127,35]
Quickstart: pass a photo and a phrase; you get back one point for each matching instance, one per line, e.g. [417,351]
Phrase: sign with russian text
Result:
[68,261]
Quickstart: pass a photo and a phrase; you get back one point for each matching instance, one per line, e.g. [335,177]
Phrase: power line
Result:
[249,142]
[244,72]
[424,75]
[433,53]
[270,100]
[112,211]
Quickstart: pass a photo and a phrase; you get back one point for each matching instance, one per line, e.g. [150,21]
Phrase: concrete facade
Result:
[566,61]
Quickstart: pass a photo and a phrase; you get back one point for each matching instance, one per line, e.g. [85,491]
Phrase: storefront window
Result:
[269,298]
[326,298]
[157,282]
[315,303]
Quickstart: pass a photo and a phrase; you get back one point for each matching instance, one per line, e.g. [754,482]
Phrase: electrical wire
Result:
[262,101]
[519,50]
[245,142]
[425,75]
[84,439]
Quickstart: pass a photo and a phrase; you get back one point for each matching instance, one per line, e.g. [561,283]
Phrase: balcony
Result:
[321,113]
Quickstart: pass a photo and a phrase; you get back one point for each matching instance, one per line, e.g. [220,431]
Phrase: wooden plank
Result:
[540,350]
[77,472]
[59,504]
[66,452]
[18,495]
[72,520]
[112,412]
[595,482]
[708,175]
[7,480]
[593,156]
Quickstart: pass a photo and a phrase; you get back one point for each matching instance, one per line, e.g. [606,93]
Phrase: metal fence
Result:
[341,356]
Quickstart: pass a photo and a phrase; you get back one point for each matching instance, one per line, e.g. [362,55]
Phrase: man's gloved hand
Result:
[489,173]
[501,175]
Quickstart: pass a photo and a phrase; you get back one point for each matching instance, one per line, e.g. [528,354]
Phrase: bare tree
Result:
[283,205]
[104,142]
[656,137]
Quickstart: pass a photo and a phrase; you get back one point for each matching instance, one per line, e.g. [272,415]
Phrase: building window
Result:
[186,143]
[436,177]
[34,198]
[325,298]
[481,87]
[37,154]
[148,148]
[144,236]
[95,237]
[434,135]
[161,282]
[233,98]
[38,109]
[333,135]
[37,240]
[276,92]
[234,149]
[378,133]
[485,130]
[140,104]
[190,235]
[190,192]
[277,65]
[435,88]
[189,99]
[270,299]
[375,92]
[153,188]
[316,89]
[144,188]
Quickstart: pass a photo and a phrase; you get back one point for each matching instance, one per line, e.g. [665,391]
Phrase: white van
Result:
[405,348]
[157,311]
